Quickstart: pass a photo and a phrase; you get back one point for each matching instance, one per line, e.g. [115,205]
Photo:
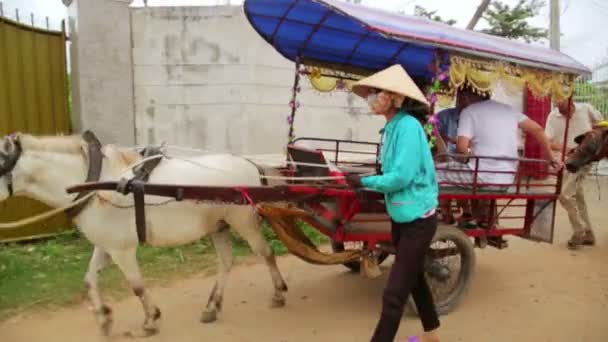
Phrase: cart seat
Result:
[308,156]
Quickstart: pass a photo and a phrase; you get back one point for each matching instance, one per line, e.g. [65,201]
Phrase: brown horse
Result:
[592,147]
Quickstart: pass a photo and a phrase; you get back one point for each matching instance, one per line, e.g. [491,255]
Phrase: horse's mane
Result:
[72,144]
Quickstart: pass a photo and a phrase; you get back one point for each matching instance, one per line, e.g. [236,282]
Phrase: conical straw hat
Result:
[394,79]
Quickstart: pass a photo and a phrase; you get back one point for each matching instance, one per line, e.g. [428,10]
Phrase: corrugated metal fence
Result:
[33,99]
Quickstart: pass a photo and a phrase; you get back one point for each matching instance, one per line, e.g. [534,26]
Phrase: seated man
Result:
[489,129]
[447,122]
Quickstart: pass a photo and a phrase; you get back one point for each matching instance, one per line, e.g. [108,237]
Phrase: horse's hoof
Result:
[284,287]
[209,316]
[106,328]
[277,302]
[151,331]
[105,320]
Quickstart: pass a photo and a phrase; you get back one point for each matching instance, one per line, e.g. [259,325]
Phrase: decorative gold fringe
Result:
[483,76]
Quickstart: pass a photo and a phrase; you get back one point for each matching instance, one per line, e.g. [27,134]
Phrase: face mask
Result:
[372,99]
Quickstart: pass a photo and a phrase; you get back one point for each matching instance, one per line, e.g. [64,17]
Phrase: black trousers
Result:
[412,241]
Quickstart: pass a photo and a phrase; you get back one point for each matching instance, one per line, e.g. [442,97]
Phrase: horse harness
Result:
[93,174]
[136,186]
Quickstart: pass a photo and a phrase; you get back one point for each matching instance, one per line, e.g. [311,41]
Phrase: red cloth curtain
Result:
[537,109]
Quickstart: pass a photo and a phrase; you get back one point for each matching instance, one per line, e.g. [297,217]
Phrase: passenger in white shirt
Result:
[582,118]
[490,129]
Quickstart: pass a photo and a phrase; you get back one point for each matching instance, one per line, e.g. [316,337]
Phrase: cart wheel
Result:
[355,266]
[449,268]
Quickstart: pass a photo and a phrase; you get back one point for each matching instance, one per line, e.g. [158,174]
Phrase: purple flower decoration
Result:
[341,84]
[294,104]
[290,120]
[443,76]
[433,98]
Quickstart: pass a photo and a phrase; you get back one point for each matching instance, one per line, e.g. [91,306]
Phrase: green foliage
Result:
[50,272]
[420,11]
[512,22]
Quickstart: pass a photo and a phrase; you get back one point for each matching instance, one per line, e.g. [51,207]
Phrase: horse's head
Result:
[592,146]
[10,152]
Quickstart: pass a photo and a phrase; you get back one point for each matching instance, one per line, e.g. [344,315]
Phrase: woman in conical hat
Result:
[409,183]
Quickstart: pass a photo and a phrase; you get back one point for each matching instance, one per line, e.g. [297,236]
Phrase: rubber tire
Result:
[464,244]
[355,266]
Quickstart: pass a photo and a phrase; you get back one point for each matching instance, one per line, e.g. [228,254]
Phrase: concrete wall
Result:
[101,68]
[204,78]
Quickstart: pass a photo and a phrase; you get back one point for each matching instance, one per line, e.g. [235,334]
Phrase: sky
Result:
[584,23]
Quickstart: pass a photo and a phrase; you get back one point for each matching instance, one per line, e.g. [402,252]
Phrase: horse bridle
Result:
[599,154]
[9,161]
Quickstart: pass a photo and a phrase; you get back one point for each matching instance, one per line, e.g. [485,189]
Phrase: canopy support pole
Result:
[294,103]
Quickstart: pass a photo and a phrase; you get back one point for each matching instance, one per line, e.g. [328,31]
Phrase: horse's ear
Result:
[579,139]
[9,145]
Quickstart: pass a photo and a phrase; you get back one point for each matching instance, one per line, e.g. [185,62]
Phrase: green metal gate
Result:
[586,92]
[33,99]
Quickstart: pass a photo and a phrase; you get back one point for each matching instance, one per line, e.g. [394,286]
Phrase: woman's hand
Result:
[354,181]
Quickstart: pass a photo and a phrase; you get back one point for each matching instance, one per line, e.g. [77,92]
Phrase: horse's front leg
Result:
[127,262]
[103,313]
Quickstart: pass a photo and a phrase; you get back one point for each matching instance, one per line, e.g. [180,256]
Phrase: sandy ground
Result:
[528,292]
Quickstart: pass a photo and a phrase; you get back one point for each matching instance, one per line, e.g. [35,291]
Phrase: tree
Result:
[512,22]
[420,11]
[478,13]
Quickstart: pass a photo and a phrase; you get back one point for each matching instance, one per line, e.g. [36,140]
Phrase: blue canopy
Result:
[336,32]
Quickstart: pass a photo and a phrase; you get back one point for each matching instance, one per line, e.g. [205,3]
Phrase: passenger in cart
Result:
[489,129]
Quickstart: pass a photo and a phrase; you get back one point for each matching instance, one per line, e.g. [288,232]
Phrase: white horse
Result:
[43,167]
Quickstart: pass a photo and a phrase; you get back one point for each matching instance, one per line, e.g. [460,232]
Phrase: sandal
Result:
[575,242]
[588,238]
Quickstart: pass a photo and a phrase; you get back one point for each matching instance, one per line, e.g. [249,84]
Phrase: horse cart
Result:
[333,43]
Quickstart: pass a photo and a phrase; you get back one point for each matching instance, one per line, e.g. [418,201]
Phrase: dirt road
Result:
[528,292]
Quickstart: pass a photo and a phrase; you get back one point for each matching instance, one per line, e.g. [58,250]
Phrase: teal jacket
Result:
[408,180]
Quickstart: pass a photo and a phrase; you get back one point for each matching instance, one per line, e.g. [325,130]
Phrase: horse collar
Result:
[94,173]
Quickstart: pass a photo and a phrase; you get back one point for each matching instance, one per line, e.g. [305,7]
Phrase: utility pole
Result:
[554,30]
[480,9]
